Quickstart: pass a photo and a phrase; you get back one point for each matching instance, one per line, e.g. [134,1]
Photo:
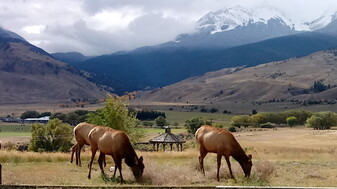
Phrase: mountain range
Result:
[233,38]
[29,74]
[226,38]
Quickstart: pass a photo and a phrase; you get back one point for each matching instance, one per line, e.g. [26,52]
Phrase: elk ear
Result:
[141,158]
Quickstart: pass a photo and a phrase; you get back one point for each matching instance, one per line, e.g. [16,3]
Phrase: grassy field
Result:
[281,157]
[13,130]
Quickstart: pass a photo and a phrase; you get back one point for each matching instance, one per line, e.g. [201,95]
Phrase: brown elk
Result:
[223,143]
[117,144]
[81,132]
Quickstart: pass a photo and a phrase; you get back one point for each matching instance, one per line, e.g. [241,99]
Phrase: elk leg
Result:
[101,159]
[73,150]
[219,156]
[115,166]
[118,164]
[78,156]
[203,154]
[229,166]
[93,153]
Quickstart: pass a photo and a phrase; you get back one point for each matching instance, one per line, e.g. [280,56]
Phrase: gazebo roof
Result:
[167,137]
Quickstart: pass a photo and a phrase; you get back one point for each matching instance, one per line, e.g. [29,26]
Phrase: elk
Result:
[81,132]
[223,143]
[117,144]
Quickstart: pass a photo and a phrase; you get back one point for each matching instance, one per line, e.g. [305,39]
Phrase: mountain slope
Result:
[70,57]
[291,81]
[160,67]
[30,75]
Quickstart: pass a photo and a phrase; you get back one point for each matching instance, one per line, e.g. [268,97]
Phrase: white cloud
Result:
[34,29]
[106,26]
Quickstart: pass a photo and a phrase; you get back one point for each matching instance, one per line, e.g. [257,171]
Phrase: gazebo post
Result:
[157,147]
[164,144]
[154,146]
[171,145]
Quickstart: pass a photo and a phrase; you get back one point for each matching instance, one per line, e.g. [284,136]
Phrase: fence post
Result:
[0,174]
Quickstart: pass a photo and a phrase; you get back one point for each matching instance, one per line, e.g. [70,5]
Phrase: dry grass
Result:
[283,157]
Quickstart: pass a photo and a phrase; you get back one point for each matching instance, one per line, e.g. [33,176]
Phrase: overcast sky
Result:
[95,27]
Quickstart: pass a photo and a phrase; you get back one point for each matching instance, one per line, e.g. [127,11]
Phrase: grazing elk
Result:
[117,144]
[223,143]
[81,132]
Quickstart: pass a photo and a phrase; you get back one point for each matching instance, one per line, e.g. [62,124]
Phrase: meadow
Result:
[281,157]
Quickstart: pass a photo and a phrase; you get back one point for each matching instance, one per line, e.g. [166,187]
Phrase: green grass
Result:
[15,130]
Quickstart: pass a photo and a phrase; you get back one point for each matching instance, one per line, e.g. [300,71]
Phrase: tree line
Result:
[318,120]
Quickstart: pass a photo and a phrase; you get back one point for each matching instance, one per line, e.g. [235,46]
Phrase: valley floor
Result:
[281,157]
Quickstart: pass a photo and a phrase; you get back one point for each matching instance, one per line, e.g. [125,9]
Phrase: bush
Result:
[161,121]
[264,169]
[194,124]
[232,129]
[268,125]
[55,136]
[322,120]
[291,121]
[242,120]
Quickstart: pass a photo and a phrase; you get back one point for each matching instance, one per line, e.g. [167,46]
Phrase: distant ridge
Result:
[275,86]
[28,74]
[70,57]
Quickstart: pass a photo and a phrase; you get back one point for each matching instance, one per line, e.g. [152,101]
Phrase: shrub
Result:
[291,121]
[268,125]
[242,120]
[194,124]
[232,129]
[264,169]
[55,136]
[322,120]
[161,121]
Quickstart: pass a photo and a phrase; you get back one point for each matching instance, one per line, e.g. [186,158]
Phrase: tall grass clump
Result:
[262,172]
[14,156]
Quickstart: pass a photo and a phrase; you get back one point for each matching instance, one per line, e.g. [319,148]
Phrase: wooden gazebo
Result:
[167,138]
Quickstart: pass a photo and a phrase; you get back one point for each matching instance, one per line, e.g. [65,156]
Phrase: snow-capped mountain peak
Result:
[230,18]
[327,17]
